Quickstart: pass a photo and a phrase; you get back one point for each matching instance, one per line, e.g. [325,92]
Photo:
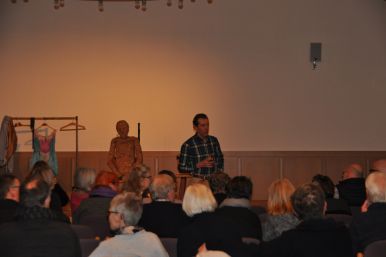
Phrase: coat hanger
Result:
[72,126]
[45,125]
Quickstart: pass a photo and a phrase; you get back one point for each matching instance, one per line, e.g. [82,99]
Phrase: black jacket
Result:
[353,191]
[7,210]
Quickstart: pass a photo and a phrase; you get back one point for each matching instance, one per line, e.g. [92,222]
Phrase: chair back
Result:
[98,223]
[170,245]
[346,219]
[88,246]
[376,249]
[83,231]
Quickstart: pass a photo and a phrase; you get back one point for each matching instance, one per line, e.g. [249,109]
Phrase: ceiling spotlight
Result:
[137,4]
[13,1]
[192,1]
[180,4]
[61,3]
[56,4]
[210,1]
[169,3]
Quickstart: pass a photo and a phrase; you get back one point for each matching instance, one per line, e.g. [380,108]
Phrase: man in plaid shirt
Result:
[201,154]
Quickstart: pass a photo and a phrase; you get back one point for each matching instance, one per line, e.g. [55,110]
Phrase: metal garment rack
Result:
[60,118]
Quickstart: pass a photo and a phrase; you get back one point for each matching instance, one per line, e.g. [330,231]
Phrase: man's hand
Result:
[207,163]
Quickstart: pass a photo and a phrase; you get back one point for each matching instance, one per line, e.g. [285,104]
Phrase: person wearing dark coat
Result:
[162,216]
[9,197]
[218,183]
[352,187]
[236,208]
[315,236]
[37,231]
[370,225]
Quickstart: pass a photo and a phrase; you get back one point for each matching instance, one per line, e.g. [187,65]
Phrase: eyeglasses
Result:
[116,212]
[149,177]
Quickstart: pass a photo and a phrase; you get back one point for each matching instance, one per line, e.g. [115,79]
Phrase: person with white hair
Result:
[124,214]
[370,226]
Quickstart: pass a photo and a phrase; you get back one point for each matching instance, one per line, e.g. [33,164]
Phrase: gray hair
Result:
[129,205]
[161,186]
[84,179]
[376,187]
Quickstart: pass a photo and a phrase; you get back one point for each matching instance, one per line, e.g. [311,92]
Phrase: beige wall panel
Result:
[301,169]
[262,171]
[231,166]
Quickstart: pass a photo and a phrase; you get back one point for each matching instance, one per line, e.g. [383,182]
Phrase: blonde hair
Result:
[376,187]
[198,198]
[279,197]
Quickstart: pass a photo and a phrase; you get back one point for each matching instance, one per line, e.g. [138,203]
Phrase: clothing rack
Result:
[60,118]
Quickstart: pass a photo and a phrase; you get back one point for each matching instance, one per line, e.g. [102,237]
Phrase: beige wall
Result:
[245,63]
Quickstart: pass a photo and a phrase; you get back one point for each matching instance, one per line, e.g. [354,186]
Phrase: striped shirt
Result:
[196,149]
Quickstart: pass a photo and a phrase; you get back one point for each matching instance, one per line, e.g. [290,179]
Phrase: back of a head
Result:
[84,179]
[218,182]
[376,187]
[308,201]
[198,198]
[133,183]
[34,193]
[106,178]
[279,197]
[240,187]
[325,184]
[6,182]
[161,186]
[129,205]
[169,173]
[42,171]
[354,170]
[379,165]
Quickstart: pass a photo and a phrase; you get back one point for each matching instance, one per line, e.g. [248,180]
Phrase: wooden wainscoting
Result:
[262,167]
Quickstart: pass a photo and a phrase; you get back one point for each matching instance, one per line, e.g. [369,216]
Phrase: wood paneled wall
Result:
[262,167]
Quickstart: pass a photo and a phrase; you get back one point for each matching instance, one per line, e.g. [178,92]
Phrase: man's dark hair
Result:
[308,201]
[6,182]
[218,182]
[325,184]
[36,194]
[199,116]
[240,187]
[169,173]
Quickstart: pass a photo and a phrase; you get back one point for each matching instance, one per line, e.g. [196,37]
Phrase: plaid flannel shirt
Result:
[194,150]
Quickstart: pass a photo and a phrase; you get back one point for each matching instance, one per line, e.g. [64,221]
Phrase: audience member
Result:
[36,230]
[200,204]
[334,206]
[315,235]
[124,213]
[352,187]
[98,203]
[370,226]
[162,216]
[138,181]
[379,165]
[84,180]
[280,216]
[218,183]
[9,197]
[41,170]
[236,208]
[169,173]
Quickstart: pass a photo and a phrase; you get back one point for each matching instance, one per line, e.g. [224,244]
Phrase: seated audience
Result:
[162,216]
[352,187]
[124,213]
[200,204]
[315,236]
[280,215]
[97,205]
[218,182]
[84,180]
[236,208]
[37,231]
[370,226]
[334,206]
[138,181]
[170,174]
[9,197]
